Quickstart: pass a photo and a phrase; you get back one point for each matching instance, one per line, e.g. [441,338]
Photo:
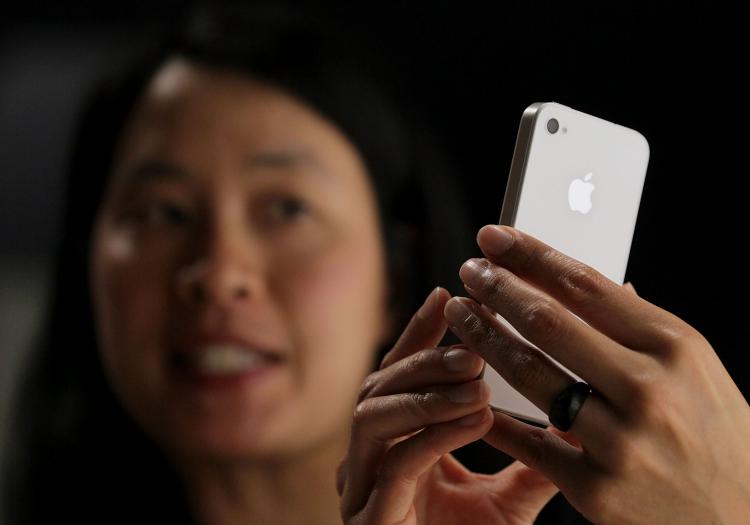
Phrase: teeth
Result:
[225,359]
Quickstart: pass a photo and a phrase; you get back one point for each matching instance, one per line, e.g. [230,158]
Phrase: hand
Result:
[423,403]
[664,435]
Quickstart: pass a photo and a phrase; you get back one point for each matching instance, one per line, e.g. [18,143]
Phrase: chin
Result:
[233,443]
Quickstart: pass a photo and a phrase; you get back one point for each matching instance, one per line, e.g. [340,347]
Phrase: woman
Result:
[246,218]
[246,268]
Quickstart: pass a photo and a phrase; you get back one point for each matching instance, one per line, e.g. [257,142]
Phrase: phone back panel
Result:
[579,191]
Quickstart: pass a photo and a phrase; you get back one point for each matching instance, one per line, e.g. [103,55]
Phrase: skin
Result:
[229,235]
[422,404]
[661,440]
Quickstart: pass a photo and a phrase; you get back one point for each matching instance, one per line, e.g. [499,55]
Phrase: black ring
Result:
[567,404]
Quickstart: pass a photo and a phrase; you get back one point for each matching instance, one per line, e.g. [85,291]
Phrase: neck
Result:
[284,491]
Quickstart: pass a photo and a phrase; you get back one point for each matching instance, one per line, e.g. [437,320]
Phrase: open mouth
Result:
[222,359]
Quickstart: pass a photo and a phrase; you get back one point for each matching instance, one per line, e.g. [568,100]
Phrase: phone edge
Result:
[518,164]
[524,418]
[510,206]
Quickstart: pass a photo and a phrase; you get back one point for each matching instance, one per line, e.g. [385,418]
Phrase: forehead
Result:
[196,114]
[184,97]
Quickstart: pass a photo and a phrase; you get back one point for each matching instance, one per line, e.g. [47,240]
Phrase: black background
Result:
[671,71]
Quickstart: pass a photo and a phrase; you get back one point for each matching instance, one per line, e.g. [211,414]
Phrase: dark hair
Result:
[76,454]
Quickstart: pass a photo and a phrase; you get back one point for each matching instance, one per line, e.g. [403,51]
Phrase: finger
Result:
[393,495]
[389,417]
[543,451]
[525,367]
[532,373]
[623,316]
[544,322]
[425,329]
[567,436]
[537,377]
[379,420]
[432,366]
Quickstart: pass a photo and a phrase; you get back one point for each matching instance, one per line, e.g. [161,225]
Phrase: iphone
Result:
[575,183]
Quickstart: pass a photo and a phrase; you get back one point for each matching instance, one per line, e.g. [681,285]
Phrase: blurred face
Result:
[238,272]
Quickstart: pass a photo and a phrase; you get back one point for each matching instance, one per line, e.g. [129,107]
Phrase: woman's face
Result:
[238,271]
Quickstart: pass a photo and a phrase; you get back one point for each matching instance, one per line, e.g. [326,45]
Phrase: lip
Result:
[197,342]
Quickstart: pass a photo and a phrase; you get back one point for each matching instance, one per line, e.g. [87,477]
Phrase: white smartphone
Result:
[575,183]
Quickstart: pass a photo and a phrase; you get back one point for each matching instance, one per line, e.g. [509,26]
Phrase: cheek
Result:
[336,302]
[129,303]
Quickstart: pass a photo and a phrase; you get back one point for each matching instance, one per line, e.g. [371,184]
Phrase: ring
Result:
[567,404]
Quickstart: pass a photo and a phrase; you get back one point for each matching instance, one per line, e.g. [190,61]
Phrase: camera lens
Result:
[553,125]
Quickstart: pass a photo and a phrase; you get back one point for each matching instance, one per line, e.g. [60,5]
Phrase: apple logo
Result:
[579,194]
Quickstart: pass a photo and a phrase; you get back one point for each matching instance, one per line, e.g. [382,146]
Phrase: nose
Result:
[222,274]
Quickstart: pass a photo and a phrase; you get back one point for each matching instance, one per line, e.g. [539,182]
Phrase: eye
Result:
[286,209]
[161,213]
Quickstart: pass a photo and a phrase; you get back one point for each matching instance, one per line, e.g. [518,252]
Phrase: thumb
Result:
[629,286]
[522,492]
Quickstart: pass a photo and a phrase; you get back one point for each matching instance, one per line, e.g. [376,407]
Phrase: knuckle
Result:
[535,448]
[528,254]
[418,363]
[642,376]
[494,342]
[493,338]
[677,338]
[528,369]
[368,386]
[422,360]
[362,412]
[647,399]
[418,405]
[582,285]
[544,318]
[482,334]
[497,281]
[639,389]
[475,329]
[409,365]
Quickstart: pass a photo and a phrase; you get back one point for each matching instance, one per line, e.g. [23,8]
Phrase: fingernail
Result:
[466,393]
[472,419]
[425,311]
[471,272]
[495,239]
[460,359]
[457,313]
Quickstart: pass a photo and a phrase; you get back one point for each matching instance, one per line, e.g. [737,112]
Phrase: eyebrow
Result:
[155,170]
[284,159]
